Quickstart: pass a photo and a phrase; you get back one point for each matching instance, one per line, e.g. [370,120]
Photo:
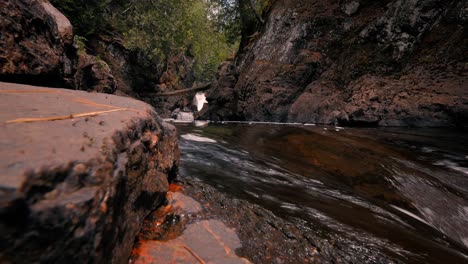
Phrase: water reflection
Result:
[404,193]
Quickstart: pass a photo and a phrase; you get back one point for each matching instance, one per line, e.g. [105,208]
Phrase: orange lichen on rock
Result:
[174,187]
[208,241]
[169,236]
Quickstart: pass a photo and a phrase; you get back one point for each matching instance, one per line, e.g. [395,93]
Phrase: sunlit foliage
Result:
[206,30]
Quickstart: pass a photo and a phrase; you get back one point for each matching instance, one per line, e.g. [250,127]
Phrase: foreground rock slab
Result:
[78,174]
[208,241]
[177,233]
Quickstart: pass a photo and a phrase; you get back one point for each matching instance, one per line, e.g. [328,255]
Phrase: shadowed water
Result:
[401,192]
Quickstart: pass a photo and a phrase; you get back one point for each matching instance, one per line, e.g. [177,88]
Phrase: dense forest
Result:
[207,30]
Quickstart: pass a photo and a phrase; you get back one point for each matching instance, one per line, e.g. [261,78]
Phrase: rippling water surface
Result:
[403,192]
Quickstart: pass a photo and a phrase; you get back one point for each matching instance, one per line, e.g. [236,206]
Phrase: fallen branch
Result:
[91,103]
[195,255]
[29,91]
[183,91]
[55,118]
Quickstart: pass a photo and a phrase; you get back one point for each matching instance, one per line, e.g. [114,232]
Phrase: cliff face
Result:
[350,62]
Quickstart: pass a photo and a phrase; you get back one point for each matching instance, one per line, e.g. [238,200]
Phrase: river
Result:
[403,192]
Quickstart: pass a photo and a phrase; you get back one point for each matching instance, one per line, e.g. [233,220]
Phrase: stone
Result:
[356,64]
[38,47]
[350,8]
[94,74]
[210,241]
[77,189]
[36,44]
[186,117]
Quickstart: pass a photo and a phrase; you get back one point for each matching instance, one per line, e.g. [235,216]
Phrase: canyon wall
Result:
[351,62]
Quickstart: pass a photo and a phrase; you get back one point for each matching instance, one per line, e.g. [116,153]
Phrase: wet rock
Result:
[78,188]
[185,117]
[404,23]
[179,233]
[347,62]
[36,43]
[267,238]
[209,241]
[184,202]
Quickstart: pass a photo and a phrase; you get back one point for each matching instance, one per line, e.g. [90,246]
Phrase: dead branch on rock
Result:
[28,91]
[195,255]
[56,118]
[202,87]
[91,103]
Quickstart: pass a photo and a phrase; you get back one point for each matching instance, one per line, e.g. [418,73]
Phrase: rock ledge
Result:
[78,189]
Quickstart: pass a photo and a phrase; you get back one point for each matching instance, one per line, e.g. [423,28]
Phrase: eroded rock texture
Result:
[77,190]
[36,43]
[388,63]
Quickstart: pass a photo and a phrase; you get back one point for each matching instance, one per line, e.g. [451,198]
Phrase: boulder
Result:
[94,74]
[79,173]
[36,44]
[185,117]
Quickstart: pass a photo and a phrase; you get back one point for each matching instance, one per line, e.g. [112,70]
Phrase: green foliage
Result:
[80,44]
[87,16]
[226,15]
[165,28]
[261,6]
[156,30]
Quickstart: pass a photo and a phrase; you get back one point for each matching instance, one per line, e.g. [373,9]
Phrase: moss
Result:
[80,44]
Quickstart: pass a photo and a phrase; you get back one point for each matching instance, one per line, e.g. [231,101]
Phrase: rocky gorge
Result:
[352,63]
[88,176]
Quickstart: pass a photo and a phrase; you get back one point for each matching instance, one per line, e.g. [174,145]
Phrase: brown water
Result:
[402,192]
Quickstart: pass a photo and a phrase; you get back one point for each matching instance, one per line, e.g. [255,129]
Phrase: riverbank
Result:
[174,233]
[79,173]
[82,171]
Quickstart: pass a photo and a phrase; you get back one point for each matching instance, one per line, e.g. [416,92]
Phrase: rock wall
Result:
[37,47]
[78,189]
[36,44]
[352,62]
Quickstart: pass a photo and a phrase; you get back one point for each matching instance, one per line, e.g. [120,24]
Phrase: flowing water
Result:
[403,192]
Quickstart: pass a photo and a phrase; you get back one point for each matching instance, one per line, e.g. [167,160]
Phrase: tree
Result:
[87,16]
[165,28]
[156,30]
[226,15]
